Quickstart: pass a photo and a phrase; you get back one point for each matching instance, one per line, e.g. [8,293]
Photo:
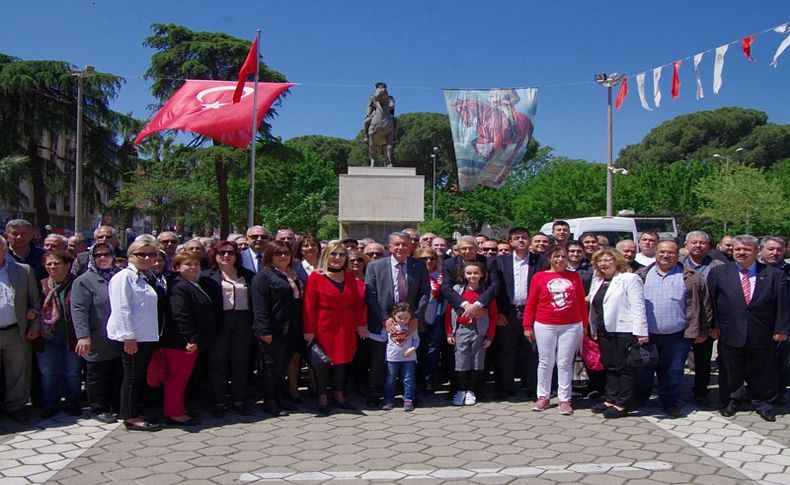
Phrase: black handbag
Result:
[641,355]
[316,356]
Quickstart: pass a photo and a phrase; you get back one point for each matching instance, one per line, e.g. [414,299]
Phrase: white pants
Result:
[557,343]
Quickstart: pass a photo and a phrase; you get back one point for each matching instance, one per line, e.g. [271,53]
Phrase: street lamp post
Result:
[78,163]
[433,182]
[608,81]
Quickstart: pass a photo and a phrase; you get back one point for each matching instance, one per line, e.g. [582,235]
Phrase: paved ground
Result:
[487,443]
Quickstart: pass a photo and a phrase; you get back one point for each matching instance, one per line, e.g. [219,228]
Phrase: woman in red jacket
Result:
[555,316]
[333,316]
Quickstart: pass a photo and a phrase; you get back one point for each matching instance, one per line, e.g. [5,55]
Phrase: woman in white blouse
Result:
[229,284]
[134,320]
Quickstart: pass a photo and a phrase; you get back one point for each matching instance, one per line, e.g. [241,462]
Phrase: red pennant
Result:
[249,67]
[622,93]
[746,47]
[676,79]
[207,108]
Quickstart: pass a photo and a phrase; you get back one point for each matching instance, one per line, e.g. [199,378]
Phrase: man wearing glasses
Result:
[252,258]
[489,248]
[167,241]
[374,251]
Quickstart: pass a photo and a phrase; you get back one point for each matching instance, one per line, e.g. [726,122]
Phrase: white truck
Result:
[614,228]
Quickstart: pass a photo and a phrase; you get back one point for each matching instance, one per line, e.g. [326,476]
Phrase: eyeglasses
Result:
[145,255]
[485,250]
[356,260]
[373,254]
[281,253]
[102,255]
[338,255]
[169,241]
[103,236]
[428,258]
[258,236]
[226,252]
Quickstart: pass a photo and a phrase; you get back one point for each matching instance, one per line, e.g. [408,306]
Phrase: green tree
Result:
[183,53]
[332,149]
[38,105]
[697,136]
[762,209]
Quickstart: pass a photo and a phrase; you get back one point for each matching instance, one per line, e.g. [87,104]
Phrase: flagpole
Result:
[251,201]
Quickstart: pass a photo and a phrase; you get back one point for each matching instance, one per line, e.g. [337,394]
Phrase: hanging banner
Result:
[697,60]
[491,129]
[640,86]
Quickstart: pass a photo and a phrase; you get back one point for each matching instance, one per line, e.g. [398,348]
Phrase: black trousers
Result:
[515,356]
[231,355]
[619,375]
[273,357]
[135,368]
[103,383]
[334,373]
[378,368]
[756,367]
[702,359]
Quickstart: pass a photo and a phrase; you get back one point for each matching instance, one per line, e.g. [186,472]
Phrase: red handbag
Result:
[591,354]
[157,369]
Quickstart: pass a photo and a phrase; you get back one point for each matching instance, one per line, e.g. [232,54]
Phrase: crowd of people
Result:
[167,324]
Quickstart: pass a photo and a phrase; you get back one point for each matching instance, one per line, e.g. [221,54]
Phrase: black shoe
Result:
[74,410]
[372,402]
[347,405]
[218,411]
[105,417]
[614,413]
[323,411]
[673,411]
[242,409]
[767,415]
[701,401]
[47,413]
[20,414]
[599,408]
[284,404]
[142,426]
[729,410]
[273,409]
[192,421]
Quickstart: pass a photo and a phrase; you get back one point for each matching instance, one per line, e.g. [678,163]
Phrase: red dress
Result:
[334,316]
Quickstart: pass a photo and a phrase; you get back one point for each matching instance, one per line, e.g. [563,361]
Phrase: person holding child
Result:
[402,346]
[470,336]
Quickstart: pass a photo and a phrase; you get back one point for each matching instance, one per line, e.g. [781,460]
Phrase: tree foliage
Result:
[332,149]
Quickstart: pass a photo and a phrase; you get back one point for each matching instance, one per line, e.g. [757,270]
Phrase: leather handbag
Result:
[641,355]
[591,354]
[316,356]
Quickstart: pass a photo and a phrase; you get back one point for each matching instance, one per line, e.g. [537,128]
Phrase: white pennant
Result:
[656,89]
[782,29]
[640,86]
[697,60]
[718,66]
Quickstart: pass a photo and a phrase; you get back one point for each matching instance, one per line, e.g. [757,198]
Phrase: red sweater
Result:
[555,299]
[471,296]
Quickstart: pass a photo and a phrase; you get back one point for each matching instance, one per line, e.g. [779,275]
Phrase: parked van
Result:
[614,228]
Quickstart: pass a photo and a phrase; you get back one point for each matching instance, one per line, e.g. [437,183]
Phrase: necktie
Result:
[401,283]
[746,286]
[259,257]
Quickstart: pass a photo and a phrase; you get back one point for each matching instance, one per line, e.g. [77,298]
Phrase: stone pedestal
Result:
[377,201]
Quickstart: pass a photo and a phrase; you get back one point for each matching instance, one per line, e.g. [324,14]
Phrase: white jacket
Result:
[623,305]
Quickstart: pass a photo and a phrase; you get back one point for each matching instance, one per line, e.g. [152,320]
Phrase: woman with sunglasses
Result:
[277,322]
[229,284]
[134,320]
[432,337]
[333,309]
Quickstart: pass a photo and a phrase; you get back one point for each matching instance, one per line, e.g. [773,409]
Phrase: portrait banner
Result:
[491,129]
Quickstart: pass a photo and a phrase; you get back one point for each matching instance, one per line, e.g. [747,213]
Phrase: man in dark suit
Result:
[512,349]
[398,278]
[751,306]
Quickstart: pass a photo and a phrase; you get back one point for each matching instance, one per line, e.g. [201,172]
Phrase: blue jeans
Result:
[61,372]
[408,372]
[673,350]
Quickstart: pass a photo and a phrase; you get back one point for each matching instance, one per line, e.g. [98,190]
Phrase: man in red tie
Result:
[750,300]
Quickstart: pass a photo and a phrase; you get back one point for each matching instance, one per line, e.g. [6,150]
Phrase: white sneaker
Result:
[459,398]
[470,399]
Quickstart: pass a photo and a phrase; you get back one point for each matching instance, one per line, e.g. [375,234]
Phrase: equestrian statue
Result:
[380,126]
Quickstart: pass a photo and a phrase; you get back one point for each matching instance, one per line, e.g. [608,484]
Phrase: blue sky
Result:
[338,49]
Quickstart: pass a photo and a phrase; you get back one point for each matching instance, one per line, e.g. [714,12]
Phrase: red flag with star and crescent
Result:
[207,108]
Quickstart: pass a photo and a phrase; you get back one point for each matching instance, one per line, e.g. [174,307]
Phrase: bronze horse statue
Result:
[380,126]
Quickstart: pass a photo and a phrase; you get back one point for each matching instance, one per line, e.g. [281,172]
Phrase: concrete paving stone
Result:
[512,426]
[660,447]
[602,479]
[503,439]
[666,476]
[405,447]
[216,450]
[373,425]
[566,447]
[490,480]
[78,479]
[521,447]
[413,459]
[765,449]
[375,443]
[346,459]
[718,480]
[200,473]
[128,473]
[41,459]
[341,449]
[638,454]
[374,434]
[13,454]
[782,478]
[232,431]
[476,455]
[783,460]
[171,466]
[24,470]
[15,481]
[470,445]
[280,450]
[633,476]
[312,454]
[162,479]
[28,444]
[381,464]
[310,465]
[182,455]
[463,436]
[763,467]
[509,460]
[205,461]
[436,441]
[532,481]
[383,452]
[447,462]
[742,456]
[443,451]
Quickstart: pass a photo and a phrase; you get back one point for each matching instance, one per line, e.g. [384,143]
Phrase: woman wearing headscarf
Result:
[90,310]
[59,364]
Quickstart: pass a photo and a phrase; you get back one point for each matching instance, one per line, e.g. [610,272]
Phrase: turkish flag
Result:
[746,46]
[250,66]
[207,108]
[676,79]
[622,93]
